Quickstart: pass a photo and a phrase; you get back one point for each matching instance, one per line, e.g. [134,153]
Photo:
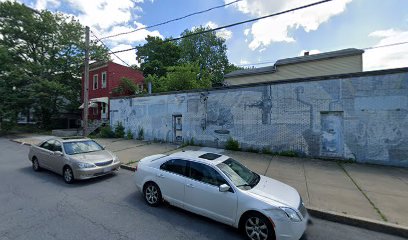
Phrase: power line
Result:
[99,40]
[172,20]
[235,24]
[366,48]
[387,45]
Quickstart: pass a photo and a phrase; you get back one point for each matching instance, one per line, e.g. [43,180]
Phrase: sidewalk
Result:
[366,191]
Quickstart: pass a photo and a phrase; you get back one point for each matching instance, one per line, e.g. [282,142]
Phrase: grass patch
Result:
[232,144]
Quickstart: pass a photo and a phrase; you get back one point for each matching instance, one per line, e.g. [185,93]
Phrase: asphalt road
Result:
[39,205]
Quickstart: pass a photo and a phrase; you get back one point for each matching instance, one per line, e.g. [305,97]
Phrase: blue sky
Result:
[327,27]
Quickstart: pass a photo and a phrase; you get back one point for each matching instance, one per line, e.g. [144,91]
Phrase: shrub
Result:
[119,130]
[232,144]
[106,132]
[140,134]
[129,134]
[288,153]
[266,150]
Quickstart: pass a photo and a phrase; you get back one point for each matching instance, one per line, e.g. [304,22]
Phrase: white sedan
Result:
[218,187]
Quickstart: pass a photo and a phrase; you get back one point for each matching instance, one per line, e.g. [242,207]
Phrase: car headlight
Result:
[292,214]
[85,165]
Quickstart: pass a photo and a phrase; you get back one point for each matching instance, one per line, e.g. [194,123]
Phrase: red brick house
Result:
[104,77]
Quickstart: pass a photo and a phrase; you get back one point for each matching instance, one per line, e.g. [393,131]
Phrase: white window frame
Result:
[104,79]
[95,80]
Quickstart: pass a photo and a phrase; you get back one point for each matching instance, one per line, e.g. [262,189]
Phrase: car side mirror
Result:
[59,153]
[224,188]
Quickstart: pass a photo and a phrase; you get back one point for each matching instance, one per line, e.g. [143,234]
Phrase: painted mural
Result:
[361,118]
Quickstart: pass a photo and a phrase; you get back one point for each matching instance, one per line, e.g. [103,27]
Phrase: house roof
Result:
[287,61]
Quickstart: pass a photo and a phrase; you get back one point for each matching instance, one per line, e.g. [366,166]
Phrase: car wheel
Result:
[68,175]
[152,194]
[36,165]
[258,227]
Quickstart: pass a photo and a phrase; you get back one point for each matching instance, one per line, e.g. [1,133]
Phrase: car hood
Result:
[272,189]
[93,157]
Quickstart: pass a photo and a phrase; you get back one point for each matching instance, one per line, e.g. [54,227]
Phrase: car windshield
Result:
[240,176]
[81,147]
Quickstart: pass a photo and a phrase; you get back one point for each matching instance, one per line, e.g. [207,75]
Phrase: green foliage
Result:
[288,153]
[129,134]
[266,150]
[207,50]
[7,126]
[232,144]
[183,77]
[126,87]
[119,130]
[41,55]
[106,132]
[140,134]
[156,55]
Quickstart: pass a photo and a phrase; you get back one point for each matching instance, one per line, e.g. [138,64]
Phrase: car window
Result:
[48,145]
[206,174]
[177,166]
[78,147]
[57,146]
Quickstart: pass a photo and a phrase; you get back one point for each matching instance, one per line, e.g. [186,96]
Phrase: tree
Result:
[183,77]
[126,87]
[156,55]
[208,50]
[43,54]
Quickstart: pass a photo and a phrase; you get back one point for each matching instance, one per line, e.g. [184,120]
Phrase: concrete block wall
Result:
[364,118]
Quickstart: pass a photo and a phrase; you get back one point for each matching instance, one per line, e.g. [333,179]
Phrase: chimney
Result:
[306,53]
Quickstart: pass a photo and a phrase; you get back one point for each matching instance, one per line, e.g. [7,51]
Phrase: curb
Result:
[126,167]
[22,143]
[373,225]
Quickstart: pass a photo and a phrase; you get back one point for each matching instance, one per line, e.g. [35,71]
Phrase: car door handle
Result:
[160,175]
[190,185]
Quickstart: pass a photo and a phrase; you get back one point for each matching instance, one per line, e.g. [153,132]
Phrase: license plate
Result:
[107,170]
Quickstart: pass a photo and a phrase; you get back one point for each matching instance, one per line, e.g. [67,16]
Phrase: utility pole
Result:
[86,83]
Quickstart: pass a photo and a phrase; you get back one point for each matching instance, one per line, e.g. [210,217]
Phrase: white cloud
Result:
[129,57]
[387,57]
[106,18]
[246,31]
[223,33]
[311,52]
[276,29]
[43,4]
[103,14]
[243,62]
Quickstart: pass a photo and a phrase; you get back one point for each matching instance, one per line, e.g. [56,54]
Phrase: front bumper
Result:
[286,229]
[87,173]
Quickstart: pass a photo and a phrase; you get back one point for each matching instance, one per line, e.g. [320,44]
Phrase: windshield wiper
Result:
[244,185]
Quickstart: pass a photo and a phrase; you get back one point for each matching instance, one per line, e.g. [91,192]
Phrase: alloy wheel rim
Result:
[256,229]
[68,175]
[152,194]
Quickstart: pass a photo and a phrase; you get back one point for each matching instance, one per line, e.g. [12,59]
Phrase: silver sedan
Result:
[73,158]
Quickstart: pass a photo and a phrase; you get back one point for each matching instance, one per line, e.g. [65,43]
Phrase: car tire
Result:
[152,194]
[68,175]
[257,226]
[36,165]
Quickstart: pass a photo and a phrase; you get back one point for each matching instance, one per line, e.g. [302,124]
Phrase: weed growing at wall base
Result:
[232,144]
[140,134]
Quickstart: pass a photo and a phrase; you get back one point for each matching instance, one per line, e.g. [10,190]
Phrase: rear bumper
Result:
[87,173]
